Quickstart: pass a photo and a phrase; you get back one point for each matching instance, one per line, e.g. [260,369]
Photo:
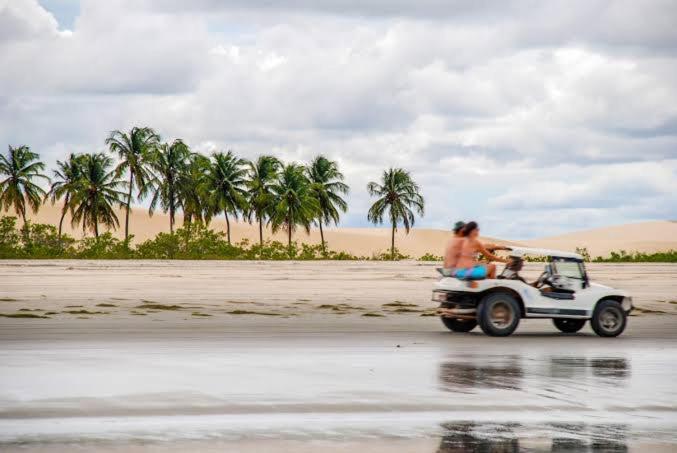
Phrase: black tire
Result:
[568,325]
[459,325]
[495,306]
[608,319]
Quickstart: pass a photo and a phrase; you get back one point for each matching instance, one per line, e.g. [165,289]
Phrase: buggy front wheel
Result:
[608,319]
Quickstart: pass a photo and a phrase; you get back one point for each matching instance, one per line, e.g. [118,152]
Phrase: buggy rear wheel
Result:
[459,325]
[499,314]
[568,325]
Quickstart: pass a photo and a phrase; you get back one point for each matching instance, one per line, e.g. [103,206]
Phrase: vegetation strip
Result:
[23,315]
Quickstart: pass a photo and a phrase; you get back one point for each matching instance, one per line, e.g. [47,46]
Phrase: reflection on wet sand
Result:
[510,372]
[502,373]
[581,367]
[462,437]
[513,437]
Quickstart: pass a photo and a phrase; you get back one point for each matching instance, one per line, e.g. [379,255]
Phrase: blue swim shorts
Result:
[472,273]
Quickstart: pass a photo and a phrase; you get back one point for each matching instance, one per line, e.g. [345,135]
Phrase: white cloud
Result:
[499,113]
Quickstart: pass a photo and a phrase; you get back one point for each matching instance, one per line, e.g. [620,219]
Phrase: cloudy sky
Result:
[532,117]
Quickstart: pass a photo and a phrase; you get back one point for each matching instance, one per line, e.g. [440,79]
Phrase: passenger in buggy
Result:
[468,266]
[453,250]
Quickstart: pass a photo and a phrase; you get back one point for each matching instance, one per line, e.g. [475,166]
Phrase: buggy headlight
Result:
[439,296]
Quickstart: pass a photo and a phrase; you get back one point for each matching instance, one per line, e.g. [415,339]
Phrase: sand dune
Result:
[644,237]
[358,241]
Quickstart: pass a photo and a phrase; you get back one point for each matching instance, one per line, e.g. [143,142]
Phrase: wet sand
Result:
[255,384]
[314,378]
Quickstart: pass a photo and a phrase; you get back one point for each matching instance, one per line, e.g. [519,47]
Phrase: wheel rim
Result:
[610,319]
[501,315]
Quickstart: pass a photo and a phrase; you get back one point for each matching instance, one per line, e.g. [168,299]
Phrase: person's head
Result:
[471,230]
[458,228]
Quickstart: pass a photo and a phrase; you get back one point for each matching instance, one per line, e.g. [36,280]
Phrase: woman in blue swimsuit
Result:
[467,265]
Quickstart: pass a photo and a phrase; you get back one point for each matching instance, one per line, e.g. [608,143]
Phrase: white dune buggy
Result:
[562,293]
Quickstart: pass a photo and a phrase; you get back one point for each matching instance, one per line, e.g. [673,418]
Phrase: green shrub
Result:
[197,242]
[622,256]
[104,247]
[192,242]
[43,241]
[583,251]
[10,240]
[431,257]
[387,256]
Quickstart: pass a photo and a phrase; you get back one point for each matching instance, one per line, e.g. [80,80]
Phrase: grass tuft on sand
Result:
[339,307]
[106,305]
[200,315]
[155,306]
[406,310]
[23,315]
[398,304]
[248,312]
[8,299]
[373,315]
[86,312]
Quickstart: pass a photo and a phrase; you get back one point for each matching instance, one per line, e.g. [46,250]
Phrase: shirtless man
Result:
[453,250]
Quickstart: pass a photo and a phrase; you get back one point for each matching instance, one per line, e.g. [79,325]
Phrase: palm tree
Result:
[134,150]
[226,179]
[398,194]
[66,178]
[294,201]
[193,194]
[168,163]
[19,167]
[262,175]
[97,193]
[327,186]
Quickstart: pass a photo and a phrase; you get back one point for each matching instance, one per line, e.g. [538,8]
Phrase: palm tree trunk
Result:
[261,231]
[171,218]
[227,226]
[129,202]
[289,237]
[392,244]
[63,214]
[96,220]
[25,226]
[324,250]
[172,208]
